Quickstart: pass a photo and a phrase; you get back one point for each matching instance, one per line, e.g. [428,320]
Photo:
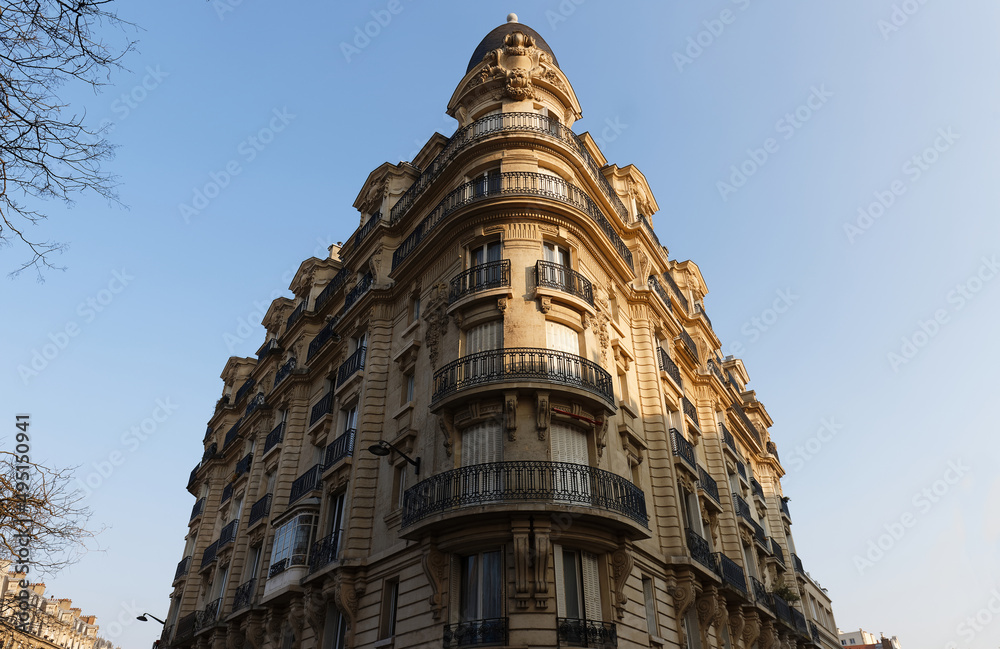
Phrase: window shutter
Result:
[561,338]
[455,588]
[569,444]
[560,580]
[484,337]
[482,443]
[591,587]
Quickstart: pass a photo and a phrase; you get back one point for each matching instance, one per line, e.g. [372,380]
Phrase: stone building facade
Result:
[497,415]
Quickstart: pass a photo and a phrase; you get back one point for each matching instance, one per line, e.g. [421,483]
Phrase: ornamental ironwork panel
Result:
[654,284]
[182,567]
[565,279]
[339,448]
[322,408]
[305,483]
[708,484]
[700,550]
[243,466]
[481,277]
[668,365]
[199,506]
[244,595]
[260,509]
[354,363]
[228,533]
[244,390]
[571,632]
[363,286]
[524,481]
[274,437]
[284,370]
[731,572]
[682,448]
[491,631]
[325,551]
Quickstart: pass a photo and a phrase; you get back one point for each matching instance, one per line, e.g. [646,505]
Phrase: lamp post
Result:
[142,618]
[384,448]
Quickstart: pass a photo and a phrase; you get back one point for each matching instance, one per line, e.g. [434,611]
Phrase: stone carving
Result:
[543,413]
[434,564]
[517,65]
[706,605]
[601,434]
[522,565]
[736,622]
[234,636]
[621,568]
[502,305]
[510,415]
[447,424]
[253,630]
[751,627]
[273,625]
[436,318]
[296,620]
[541,560]
[721,617]
[767,638]
[345,595]
[682,589]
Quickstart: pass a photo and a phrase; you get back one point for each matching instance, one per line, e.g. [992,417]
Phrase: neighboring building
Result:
[578,465]
[53,622]
[861,639]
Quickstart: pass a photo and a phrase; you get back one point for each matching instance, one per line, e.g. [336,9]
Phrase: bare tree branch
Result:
[46,153]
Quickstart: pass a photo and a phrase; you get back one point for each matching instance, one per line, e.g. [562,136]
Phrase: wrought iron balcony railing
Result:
[565,279]
[324,336]
[194,475]
[284,371]
[756,489]
[354,364]
[363,286]
[182,567]
[296,315]
[571,632]
[682,448]
[210,553]
[277,568]
[227,493]
[305,483]
[708,484]
[676,291]
[473,633]
[649,228]
[270,347]
[654,284]
[689,344]
[700,550]
[208,616]
[814,632]
[244,390]
[339,448]
[743,511]
[504,123]
[700,310]
[482,277]
[233,432]
[690,410]
[367,228]
[331,289]
[209,453]
[244,595]
[776,551]
[243,466]
[731,572]
[514,183]
[522,364]
[783,505]
[199,507]
[781,608]
[524,481]
[274,437]
[185,627]
[228,533]
[322,408]
[799,620]
[669,366]
[798,564]
[760,593]
[741,469]
[745,420]
[727,437]
[325,551]
[260,509]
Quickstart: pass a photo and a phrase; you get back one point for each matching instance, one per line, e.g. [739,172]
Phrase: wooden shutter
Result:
[484,337]
[591,587]
[482,443]
[557,558]
[569,444]
[560,338]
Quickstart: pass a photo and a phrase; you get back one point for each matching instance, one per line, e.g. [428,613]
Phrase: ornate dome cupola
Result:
[513,69]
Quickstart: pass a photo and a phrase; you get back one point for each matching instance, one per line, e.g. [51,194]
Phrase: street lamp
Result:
[142,618]
[384,448]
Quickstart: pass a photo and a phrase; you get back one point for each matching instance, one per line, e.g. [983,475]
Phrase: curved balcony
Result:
[522,364]
[566,280]
[479,278]
[489,126]
[513,183]
[498,486]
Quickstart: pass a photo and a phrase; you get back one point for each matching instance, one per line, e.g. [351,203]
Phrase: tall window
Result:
[571,478]
[649,596]
[481,587]
[487,336]
[350,418]
[487,183]
[578,587]
[292,541]
[390,600]
[556,254]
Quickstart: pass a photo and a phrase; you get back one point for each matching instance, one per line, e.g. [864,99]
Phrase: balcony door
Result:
[485,337]
[578,591]
[571,477]
[482,447]
[564,365]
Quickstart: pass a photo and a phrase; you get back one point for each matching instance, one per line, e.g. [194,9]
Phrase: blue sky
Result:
[871,225]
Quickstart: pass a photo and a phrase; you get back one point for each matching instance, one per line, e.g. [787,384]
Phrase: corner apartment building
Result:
[498,415]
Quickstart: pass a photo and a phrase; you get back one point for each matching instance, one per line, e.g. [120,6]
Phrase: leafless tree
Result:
[47,151]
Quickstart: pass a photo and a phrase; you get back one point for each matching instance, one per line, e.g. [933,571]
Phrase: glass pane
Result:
[493,251]
[469,609]
[572,586]
[492,585]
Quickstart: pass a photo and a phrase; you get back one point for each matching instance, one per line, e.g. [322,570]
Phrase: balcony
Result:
[741,469]
[296,315]
[354,364]
[255,404]
[492,631]
[708,484]
[270,347]
[274,437]
[814,632]
[564,279]
[743,511]
[745,420]
[367,228]
[243,466]
[331,289]
[700,550]
[509,483]
[277,568]
[244,390]
[210,553]
[649,228]
[194,476]
[756,489]
[760,593]
[232,433]
[227,493]
[482,277]
[325,551]
[689,345]
[284,371]
[727,437]
[669,366]
[182,567]
[522,364]
[731,573]
[683,448]
[260,509]
[210,452]
[499,124]
[776,551]
[185,627]
[781,608]
[363,286]
[509,184]
[305,483]
[572,632]
[798,564]
[700,310]
[322,408]
[324,336]
[228,533]
[209,615]
[783,505]
[690,411]
[244,595]
[338,449]
[676,291]
[198,508]
[799,621]
[654,284]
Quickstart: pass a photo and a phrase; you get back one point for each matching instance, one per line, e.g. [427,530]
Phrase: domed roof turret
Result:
[495,40]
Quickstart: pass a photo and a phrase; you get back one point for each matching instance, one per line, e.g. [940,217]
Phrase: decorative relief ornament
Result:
[518,64]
